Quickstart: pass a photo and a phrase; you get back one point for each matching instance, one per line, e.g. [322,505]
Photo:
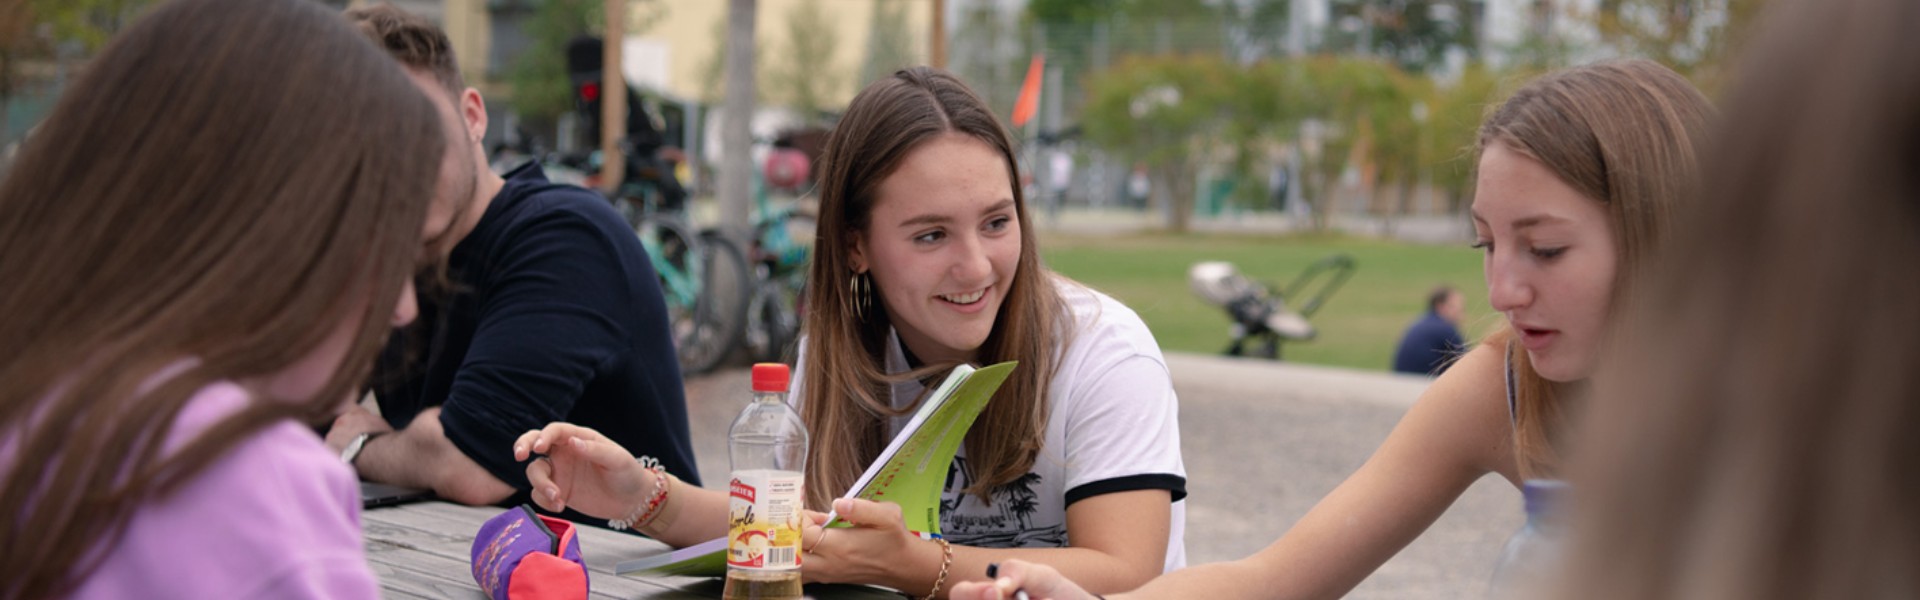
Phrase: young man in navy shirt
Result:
[549,310]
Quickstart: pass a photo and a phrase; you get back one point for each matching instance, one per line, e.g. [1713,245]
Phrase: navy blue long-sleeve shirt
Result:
[1428,347]
[556,315]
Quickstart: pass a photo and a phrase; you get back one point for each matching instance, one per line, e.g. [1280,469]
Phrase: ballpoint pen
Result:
[993,571]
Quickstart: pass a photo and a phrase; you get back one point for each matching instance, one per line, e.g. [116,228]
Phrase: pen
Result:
[993,571]
[833,516]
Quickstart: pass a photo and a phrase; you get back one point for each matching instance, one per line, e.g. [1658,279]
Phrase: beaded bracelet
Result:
[643,515]
[945,563]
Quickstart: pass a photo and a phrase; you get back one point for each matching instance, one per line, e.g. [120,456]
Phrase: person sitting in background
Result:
[1578,172]
[1760,445]
[1430,345]
[204,246]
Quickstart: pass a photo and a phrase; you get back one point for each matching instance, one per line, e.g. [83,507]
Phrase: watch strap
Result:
[359,443]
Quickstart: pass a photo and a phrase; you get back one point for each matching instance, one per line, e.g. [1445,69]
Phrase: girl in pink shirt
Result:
[200,248]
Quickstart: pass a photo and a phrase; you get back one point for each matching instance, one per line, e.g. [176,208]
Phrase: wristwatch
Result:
[353,448]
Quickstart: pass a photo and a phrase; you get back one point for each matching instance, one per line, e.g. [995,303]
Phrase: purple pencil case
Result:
[520,555]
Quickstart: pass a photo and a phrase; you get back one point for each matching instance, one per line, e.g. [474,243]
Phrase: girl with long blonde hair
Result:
[1577,175]
[1760,442]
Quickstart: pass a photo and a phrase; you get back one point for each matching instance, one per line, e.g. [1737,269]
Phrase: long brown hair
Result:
[227,182]
[847,387]
[1624,134]
[1759,442]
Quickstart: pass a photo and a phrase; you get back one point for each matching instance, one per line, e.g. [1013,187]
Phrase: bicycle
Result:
[703,275]
[781,245]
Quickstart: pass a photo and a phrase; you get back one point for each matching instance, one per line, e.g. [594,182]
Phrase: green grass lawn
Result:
[1359,326]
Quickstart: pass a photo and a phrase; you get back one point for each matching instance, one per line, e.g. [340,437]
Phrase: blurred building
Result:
[681,51]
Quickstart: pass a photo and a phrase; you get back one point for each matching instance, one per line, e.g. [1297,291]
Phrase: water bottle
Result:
[1534,552]
[768,448]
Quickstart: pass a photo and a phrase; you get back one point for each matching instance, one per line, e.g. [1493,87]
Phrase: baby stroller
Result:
[1261,313]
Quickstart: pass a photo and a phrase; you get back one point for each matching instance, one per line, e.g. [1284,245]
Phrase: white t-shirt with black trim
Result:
[1113,427]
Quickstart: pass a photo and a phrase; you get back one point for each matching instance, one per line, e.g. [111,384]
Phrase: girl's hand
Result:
[1040,582]
[878,549]
[583,470]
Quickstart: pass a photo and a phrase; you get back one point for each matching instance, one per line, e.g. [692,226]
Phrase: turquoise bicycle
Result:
[781,246]
[703,276]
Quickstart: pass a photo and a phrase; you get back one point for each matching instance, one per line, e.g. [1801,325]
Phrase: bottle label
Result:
[763,519]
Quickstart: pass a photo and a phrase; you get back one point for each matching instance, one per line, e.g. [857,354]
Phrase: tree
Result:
[1451,131]
[989,52]
[33,30]
[16,42]
[1416,35]
[1351,103]
[1396,118]
[1080,37]
[1678,33]
[1259,28]
[1164,112]
[1177,114]
[541,87]
[804,75]
[89,22]
[890,43]
[1078,12]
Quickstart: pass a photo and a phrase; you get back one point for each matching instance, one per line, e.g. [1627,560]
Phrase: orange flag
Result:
[1029,101]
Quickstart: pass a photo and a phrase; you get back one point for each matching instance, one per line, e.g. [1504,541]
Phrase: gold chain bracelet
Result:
[946,563]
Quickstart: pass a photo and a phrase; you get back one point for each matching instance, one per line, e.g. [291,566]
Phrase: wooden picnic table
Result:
[422,550]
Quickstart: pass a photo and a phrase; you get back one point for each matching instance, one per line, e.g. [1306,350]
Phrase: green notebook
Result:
[910,472]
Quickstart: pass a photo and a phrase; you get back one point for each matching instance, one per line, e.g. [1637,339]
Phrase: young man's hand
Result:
[352,422]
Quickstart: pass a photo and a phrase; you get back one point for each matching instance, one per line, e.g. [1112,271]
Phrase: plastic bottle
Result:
[768,447]
[1533,553]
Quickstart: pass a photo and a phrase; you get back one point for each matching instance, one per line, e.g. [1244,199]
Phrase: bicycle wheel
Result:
[720,304]
[772,321]
[671,249]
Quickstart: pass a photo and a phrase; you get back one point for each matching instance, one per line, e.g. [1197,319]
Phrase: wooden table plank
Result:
[424,550]
[431,543]
[414,573]
[430,576]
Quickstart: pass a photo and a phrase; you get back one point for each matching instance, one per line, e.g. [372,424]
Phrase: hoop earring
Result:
[860,294]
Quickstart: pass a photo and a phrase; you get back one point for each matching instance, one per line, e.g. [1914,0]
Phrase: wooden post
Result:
[937,55]
[613,99]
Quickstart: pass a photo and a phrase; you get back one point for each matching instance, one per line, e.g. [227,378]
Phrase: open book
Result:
[910,472]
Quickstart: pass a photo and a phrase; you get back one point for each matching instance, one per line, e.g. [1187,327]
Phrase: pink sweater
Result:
[277,517]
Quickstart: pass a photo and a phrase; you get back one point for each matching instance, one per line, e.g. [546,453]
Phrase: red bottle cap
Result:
[771,377]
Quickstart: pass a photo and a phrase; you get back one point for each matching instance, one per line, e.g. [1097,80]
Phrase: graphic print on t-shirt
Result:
[1013,519]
